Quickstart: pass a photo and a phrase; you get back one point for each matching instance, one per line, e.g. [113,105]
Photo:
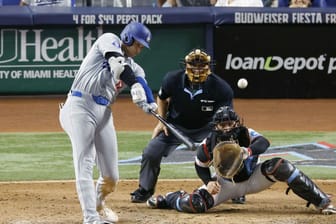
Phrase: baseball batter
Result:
[188,98]
[230,149]
[87,118]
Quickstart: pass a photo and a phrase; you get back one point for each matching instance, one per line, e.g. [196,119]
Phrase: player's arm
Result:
[163,100]
[121,70]
[148,91]
[259,145]
[162,111]
[203,172]
[162,106]
[202,163]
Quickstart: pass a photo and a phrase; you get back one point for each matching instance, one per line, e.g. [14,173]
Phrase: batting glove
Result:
[153,106]
[138,94]
[145,107]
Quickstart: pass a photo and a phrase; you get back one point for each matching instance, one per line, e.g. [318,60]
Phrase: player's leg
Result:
[256,183]
[278,169]
[78,125]
[199,201]
[179,200]
[152,155]
[107,162]
[249,164]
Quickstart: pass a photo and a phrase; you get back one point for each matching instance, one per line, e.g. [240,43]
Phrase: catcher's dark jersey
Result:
[193,109]
[246,137]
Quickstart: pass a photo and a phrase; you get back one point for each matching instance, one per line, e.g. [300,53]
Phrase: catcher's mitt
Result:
[227,159]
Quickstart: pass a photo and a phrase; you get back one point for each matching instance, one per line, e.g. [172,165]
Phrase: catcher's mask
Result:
[225,119]
[227,159]
[197,64]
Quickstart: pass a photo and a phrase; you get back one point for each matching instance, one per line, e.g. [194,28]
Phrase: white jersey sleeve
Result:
[94,75]
[109,42]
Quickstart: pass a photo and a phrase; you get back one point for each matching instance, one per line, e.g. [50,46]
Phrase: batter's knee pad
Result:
[197,202]
[278,168]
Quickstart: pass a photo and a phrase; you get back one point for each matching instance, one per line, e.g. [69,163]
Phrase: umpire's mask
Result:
[197,65]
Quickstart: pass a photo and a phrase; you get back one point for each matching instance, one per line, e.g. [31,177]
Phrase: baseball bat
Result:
[175,131]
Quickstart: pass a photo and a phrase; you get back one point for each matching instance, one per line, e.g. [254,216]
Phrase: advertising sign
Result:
[279,61]
[44,60]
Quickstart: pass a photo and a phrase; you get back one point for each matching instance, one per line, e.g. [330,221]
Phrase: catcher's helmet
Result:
[225,113]
[136,31]
[197,64]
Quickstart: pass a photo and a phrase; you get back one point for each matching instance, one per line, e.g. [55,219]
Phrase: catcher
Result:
[230,149]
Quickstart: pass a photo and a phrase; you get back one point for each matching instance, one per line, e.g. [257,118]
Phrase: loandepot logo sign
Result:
[275,63]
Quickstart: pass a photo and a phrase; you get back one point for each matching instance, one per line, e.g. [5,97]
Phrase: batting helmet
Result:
[136,31]
[197,64]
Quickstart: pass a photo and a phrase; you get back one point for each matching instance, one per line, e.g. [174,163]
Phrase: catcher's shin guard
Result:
[197,202]
[298,182]
[172,198]
[157,202]
[307,189]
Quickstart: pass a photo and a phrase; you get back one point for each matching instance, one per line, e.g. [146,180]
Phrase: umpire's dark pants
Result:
[159,147]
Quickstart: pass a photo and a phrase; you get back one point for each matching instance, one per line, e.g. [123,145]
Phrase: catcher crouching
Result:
[233,149]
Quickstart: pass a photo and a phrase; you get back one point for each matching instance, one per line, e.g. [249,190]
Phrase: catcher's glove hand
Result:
[227,159]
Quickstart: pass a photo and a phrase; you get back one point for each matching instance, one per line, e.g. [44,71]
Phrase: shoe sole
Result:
[329,212]
[135,200]
[151,205]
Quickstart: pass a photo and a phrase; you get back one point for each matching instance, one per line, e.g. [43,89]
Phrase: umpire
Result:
[188,98]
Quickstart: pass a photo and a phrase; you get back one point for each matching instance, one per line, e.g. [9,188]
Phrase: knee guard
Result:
[298,182]
[277,169]
[197,202]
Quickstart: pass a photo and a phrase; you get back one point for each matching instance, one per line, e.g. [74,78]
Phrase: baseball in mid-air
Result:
[242,83]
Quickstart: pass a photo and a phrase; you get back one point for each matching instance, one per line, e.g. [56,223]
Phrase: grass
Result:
[48,156]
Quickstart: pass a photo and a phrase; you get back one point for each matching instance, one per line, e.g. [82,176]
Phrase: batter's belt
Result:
[101,100]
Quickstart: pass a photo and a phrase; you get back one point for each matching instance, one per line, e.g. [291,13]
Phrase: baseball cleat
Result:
[107,215]
[140,195]
[152,202]
[94,222]
[329,210]
[157,202]
[239,200]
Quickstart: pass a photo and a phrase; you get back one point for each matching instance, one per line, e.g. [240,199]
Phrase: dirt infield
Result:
[56,202]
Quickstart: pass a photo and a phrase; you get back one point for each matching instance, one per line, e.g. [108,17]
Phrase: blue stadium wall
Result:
[284,53]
